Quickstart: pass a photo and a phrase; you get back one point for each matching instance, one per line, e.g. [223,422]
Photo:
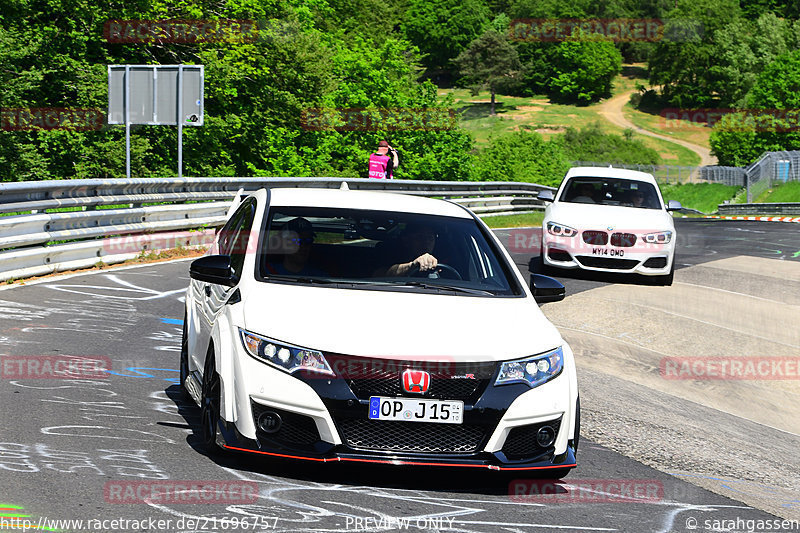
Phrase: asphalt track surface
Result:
[68,445]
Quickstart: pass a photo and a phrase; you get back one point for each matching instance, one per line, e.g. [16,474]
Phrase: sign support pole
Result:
[180,121]
[127,98]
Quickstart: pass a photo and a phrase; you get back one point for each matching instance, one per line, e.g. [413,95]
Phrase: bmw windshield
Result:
[610,191]
[355,248]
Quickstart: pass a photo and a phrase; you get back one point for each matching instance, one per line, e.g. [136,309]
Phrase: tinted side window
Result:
[235,235]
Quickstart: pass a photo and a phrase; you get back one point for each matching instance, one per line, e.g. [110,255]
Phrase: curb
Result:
[762,219]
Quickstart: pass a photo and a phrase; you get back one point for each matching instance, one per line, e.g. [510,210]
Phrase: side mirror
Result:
[674,205]
[546,289]
[545,196]
[213,269]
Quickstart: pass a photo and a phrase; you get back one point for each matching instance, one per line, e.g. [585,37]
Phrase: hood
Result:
[379,323]
[590,216]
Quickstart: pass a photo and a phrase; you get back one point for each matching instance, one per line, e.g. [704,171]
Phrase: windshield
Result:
[610,191]
[382,250]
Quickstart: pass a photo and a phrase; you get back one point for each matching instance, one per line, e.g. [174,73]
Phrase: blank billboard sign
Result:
[153,92]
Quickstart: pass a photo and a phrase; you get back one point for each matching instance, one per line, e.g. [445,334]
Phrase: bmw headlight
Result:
[284,356]
[662,237]
[560,230]
[534,370]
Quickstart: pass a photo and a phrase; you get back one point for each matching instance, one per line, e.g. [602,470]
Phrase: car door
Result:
[210,298]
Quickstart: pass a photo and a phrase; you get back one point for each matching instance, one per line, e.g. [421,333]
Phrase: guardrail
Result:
[777,209]
[52,226]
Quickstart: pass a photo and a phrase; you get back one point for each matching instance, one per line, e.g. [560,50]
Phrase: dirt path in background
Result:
[611,110]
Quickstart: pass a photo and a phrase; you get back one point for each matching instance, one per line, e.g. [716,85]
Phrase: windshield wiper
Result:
[301,279]
[455,288]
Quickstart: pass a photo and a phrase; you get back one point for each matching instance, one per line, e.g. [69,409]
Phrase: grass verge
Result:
[704,197]
[785,192]
[515,221]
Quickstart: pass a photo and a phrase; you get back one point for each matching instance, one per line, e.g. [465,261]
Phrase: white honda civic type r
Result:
[609,220]
[337,325]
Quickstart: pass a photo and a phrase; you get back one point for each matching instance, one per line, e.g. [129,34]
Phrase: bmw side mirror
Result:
[546,196]
[546,289]
[213,269]
[674,205]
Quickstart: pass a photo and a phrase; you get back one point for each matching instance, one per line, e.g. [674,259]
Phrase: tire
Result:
[184,362]
[209,406]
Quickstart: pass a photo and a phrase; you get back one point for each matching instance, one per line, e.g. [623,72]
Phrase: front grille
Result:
[606,262]
[383,377]
[656,262]
[521,441]
[595,237]
[415,437]
[295,429]
[624,240]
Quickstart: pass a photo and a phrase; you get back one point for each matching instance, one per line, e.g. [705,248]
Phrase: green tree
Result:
[443,29]
[740,52]
[487,62]
[739,139]
[583,68]
[309,55]
[681,62]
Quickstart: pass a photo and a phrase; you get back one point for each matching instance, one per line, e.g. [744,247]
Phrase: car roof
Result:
[373,200]
[610,172]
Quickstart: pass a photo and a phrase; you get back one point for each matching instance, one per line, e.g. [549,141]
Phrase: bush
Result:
[592,144]
[522,156]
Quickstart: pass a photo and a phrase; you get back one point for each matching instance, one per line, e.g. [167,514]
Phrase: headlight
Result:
[284,356]
[662,237]
[534,370]
[560,230]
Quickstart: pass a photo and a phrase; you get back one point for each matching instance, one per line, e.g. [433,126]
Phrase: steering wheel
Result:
[434,274]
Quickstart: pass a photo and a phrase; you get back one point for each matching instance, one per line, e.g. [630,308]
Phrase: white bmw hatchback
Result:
[609,220]
[337,325]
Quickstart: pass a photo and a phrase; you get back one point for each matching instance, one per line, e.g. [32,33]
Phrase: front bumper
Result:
[641,258]
[325,419]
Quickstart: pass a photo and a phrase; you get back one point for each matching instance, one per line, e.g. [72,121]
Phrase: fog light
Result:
[546,436]
[269,422]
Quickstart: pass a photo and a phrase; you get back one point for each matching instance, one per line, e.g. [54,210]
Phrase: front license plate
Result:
[613,252]
[413,410]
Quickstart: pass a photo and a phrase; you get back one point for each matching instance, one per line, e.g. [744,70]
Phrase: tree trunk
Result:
[492,112]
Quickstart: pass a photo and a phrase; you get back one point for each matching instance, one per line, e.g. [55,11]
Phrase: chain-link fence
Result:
[662,173]
[679,174]
[771,169]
